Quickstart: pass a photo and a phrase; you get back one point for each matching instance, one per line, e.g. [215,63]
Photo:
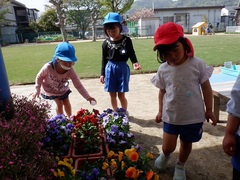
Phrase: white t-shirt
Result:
[183,103]
[233,105]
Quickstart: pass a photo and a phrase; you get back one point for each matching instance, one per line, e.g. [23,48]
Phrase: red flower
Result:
[84,116]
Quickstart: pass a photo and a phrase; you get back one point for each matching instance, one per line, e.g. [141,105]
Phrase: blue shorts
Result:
[236,157]
[187,133]
[117,75]
[62,97]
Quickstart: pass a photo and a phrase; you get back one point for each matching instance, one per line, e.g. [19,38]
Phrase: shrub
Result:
[53,38]
[22,156]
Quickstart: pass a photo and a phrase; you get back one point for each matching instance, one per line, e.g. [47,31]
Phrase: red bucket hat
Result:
[169,33]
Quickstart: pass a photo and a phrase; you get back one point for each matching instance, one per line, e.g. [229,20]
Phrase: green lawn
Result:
[24,61]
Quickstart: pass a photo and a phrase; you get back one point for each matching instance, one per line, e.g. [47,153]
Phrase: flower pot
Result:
[101,129]
[105,146]
[76,153]
[82,164]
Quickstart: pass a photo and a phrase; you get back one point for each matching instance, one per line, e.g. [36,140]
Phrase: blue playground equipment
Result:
[5,94]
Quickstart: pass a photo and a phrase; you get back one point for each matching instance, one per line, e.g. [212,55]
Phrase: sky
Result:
[38,4]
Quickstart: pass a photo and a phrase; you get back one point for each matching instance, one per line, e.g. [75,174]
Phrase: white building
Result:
[189,16]
[18,16]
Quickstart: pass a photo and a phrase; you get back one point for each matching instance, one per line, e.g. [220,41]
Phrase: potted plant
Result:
[117,129]
[92,168]
[58,137]
[64,169]
[131,164]
[87,134]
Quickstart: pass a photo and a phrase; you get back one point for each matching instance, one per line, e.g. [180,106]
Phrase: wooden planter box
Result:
[80,162]
[76,155]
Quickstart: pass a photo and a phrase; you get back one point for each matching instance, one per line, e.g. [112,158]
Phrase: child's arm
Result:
[38,81]
[160,105]
[132,55]
[208,98]
[229,140]
[79,86]
[233,122]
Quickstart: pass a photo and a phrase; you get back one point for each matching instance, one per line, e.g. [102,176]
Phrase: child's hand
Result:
[35,95]
[92,101]
[229,144]
[210,115]
[136,66]
[102,79]
[158,118]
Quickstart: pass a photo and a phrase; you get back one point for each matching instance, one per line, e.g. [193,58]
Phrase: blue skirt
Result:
[117,75]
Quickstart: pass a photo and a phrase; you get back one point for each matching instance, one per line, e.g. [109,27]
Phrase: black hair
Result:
[112,26]
[163,49]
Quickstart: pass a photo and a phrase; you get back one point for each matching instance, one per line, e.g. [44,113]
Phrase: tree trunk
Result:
[94,17]
[61,18]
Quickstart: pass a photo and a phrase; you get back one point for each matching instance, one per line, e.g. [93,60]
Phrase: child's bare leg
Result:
[113,96]
[168,146]
[169,143]
[67,107]
[184,152]
[59,108]
[123,100]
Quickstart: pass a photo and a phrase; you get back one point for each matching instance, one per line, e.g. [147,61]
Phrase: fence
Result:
[231,29]
[23,37]
[32,37]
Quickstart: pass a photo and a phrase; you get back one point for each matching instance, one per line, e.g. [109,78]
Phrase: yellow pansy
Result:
[105,165]
[120,156]
[150,155]
[110,154]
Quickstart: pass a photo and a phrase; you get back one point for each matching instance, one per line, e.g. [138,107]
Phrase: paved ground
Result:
[141,96]
[207,160]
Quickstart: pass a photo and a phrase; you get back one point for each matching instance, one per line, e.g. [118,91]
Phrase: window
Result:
[21,12]
[168,19]
[178,18]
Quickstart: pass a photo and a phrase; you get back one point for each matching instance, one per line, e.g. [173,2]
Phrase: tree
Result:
[34,26]
[142,13]
[119,6]
[93,7]
[47,21]
[80,17]
[59,5]
[99,8]
[4,5]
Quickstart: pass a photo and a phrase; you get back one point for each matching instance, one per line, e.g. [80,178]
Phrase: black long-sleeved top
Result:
[118,51]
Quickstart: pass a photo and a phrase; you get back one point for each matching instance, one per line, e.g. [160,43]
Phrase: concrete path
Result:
[142,97]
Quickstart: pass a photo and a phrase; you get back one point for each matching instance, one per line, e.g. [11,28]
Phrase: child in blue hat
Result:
[116,50]
[53,79]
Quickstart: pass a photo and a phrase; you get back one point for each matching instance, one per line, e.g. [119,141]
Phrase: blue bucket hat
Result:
[65,52]
[112,17]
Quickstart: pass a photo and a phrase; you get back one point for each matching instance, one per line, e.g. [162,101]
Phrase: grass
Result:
[23,62]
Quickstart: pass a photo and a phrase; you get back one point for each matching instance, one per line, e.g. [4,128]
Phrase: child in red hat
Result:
[181,79]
